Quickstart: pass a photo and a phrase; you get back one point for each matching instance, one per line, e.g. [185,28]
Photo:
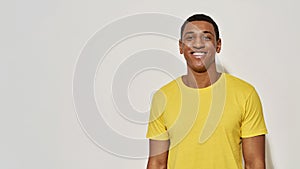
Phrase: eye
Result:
[189,38]
[206,38]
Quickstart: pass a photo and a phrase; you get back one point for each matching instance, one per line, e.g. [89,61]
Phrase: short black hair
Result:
[200,17]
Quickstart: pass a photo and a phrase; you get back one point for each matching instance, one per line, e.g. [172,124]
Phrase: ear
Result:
[180,46]
[219,44]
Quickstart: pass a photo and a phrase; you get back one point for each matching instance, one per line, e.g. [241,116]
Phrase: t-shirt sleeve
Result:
[253,123]
[156,125]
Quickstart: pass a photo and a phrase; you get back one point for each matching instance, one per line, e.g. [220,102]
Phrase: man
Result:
[205,119]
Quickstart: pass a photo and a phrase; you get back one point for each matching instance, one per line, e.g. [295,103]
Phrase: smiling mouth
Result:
[199,54]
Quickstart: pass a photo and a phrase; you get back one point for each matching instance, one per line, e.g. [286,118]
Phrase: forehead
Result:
[198,26]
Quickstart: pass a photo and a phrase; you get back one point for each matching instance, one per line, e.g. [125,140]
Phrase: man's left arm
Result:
[254,152]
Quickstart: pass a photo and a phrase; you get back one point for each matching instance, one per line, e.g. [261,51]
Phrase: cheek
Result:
[188,45]
[211,46]
[186,48]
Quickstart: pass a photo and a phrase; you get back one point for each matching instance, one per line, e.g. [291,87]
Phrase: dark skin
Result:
[199,36]
[199,46]
[159,151]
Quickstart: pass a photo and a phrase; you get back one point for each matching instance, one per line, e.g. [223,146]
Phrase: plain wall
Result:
[39,124]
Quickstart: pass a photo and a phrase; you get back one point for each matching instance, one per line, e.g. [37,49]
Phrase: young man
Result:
[205,119]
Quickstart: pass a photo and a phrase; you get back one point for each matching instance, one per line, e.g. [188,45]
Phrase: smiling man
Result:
[205,119]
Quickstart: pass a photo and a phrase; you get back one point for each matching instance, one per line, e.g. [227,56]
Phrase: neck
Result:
[201,79]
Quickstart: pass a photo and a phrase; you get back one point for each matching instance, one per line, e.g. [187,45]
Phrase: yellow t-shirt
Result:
[205,126]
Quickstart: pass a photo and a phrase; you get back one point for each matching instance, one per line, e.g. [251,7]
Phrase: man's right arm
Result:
[158,157]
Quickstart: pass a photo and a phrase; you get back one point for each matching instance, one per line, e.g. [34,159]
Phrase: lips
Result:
[198,54]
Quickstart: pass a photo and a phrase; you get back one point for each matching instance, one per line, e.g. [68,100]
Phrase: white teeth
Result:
[199,54]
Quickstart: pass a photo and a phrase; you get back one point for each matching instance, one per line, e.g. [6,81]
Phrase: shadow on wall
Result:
[269,162]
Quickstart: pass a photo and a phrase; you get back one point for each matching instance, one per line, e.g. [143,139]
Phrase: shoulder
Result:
[171,86]
[237,83]
[239,87]
[169,89]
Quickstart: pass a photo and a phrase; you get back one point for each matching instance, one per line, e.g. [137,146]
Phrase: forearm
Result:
[152,164]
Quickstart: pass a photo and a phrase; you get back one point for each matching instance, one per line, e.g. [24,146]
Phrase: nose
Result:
[198,44]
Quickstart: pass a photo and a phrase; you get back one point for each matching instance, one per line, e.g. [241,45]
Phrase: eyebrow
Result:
[188,33]
[191,32]
[208,32]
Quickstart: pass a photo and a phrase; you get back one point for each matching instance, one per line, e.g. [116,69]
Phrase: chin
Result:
[199,70]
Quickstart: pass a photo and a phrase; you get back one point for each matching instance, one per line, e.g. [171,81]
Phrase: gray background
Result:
[39,125]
